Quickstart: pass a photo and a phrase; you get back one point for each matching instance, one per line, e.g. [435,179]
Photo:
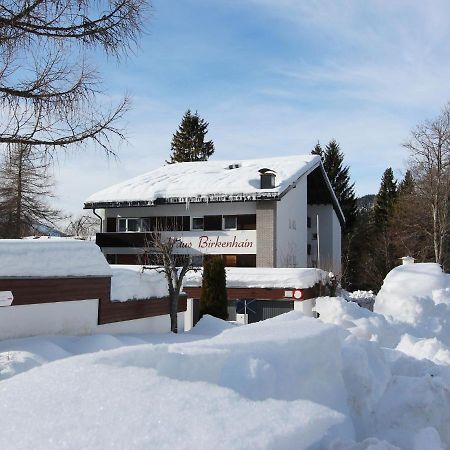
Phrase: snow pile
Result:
[422,348]
[200,179]
[352,380]
[262,386]
[417,295]
[241,277]
[365,299]
[395,392]
[132,282]
[51,258]
[411,292]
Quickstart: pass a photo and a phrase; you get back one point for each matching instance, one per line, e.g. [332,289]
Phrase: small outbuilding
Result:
[66,286]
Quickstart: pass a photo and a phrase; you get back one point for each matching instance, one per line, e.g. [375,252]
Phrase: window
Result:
[229,222]
[122,225]
[246,261]
[148,224]
[246,222]
[309,249]
[212,223]
[197,223]
[111,224]
[308,222]
[229,260]
[133,224]
[314,237]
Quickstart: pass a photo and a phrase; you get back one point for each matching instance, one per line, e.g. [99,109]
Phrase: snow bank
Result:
[205,178]
[417,296]
[238,277]
[411,291]
[51,258]
[421,348]
[351,380]
[271,385]
[395,392]
[131,282]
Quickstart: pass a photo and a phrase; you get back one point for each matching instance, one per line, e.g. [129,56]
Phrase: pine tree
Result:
[25,186]
[317,150]
[333,160]
[406,186]
[213,297]
[338,174]
[385,200]
[188,142]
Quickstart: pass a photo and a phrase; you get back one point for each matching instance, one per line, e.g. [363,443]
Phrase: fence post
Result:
[189,315]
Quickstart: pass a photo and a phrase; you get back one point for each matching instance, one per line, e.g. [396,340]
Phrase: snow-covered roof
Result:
[132,283]
[264,277]
[207,180]
[51,258]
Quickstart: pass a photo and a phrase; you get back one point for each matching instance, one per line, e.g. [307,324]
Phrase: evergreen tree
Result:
[338,174]
[317,150]
[213,297]
[25,186]
[188,142]
[333,160]
[406,186]
[386,198]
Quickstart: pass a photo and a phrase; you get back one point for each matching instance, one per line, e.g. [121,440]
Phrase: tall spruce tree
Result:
[338,174]
[385,200]
[406,186]
[188,142]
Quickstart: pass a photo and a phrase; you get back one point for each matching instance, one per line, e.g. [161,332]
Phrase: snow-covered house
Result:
[268,212]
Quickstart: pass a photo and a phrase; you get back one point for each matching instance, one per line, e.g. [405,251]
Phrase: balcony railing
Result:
[207,242]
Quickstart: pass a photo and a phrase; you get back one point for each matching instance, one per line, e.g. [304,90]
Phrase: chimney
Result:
[267,178]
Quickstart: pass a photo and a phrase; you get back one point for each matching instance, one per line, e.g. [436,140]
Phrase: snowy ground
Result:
[351,380]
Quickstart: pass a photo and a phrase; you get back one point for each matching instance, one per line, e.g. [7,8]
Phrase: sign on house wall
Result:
[216,242]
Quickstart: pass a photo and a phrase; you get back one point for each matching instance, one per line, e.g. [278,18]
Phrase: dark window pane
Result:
[212,223]
[229,222]
[147,224]
[133,225]
[308,222]
[246,261]
[197,223]
[111,224]
[122,225]
[160,223]
[246,222]
[186,223]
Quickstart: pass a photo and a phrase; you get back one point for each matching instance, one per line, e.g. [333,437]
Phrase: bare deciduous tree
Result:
[47,89]
[160,251]
[429,148]
[25,187]
[83,226]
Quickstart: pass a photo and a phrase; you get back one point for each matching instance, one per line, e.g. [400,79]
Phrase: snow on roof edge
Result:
[180,183]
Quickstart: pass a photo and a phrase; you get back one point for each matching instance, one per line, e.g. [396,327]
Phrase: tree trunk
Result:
[174,312]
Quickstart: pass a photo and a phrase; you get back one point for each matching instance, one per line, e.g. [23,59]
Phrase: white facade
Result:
[291,229]
[324,238]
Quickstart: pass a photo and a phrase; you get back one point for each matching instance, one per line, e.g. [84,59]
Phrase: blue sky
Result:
[272,77]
